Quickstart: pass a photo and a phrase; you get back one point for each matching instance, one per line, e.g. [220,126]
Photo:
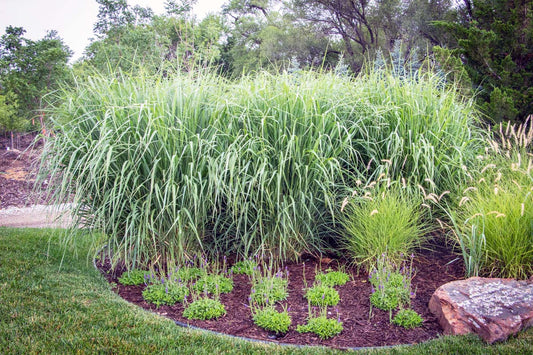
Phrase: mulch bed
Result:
[361,328]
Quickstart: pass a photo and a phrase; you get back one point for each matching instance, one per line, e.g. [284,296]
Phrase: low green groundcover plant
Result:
[213,284]
[167,293]
[269,290]
[332,278]
[407,318]
[244,267]
[322,295]
[186,273]
[322,326]
[204,308]
[391,286]
[133,277]
[270,319]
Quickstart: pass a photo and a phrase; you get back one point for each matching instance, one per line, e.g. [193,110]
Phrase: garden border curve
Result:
[300,346]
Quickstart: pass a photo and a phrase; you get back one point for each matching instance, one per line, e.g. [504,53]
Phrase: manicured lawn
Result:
[55,302]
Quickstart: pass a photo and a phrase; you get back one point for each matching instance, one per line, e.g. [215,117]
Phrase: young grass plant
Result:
[387,220]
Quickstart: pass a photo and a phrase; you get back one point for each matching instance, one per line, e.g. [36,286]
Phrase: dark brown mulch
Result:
[361,328]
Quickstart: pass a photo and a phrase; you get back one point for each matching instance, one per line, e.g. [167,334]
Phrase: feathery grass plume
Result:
[492,222]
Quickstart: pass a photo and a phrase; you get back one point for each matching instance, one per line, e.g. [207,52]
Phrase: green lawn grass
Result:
[54,302]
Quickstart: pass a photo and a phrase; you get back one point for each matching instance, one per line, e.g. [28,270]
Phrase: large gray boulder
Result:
[492,308]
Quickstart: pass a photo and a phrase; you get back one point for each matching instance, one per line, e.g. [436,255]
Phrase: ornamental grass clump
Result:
[491,220]
[190,163]
[384,219]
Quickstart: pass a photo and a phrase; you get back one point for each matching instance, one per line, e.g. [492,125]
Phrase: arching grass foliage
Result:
[167,168]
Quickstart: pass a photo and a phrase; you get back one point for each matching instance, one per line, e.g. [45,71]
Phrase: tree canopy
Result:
[28,70]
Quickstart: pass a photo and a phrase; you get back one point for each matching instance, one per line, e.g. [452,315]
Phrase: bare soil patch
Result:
[17,172]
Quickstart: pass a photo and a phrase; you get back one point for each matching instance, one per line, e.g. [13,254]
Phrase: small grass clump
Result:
[168,293]
[322,295]
[390,221]
[332,278]
[133,277]
[407,318]
[204,308]
[270,319]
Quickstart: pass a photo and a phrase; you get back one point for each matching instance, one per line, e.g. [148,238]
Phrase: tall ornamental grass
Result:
[193,163]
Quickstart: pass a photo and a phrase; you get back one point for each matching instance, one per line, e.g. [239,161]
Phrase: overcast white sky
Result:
[72,19]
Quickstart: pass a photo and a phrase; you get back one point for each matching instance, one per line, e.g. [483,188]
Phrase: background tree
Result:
[134,39]
[494,40]
[28,71]
[362,28]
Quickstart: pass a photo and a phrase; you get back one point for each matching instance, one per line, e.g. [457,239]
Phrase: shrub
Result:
[204,308]
[270,319]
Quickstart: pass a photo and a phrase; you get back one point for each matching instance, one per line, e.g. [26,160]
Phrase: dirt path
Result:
[36,216]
